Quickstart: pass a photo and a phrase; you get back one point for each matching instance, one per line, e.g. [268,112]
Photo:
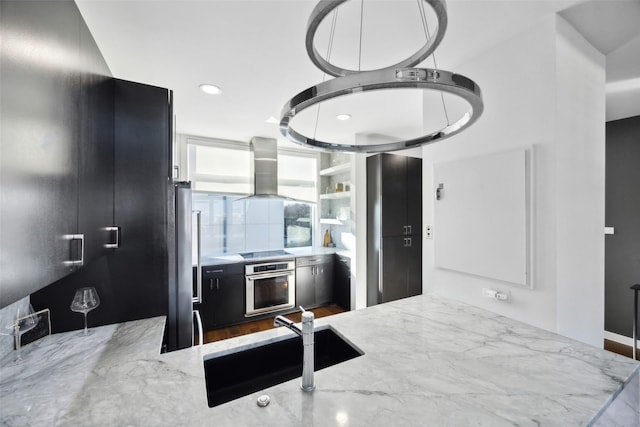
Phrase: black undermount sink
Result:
[248,370]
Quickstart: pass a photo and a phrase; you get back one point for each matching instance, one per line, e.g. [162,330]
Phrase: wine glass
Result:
[85,300]
[26,320]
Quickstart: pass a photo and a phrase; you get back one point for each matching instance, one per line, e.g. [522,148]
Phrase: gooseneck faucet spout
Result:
[306,332]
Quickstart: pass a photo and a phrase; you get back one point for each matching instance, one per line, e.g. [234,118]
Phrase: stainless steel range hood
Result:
[265,169]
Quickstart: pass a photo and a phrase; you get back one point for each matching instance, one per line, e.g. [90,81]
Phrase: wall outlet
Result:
[496,295]
[428,232]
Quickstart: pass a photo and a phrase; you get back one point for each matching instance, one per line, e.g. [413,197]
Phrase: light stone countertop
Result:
[428,361]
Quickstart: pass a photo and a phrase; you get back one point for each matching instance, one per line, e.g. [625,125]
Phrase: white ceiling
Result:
[254,50]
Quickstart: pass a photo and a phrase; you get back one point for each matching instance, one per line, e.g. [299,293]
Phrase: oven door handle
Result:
[270,274]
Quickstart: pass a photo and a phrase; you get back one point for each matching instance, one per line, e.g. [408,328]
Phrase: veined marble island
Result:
[428,361]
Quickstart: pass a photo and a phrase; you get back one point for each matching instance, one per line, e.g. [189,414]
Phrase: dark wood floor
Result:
[625,350]
[263,324]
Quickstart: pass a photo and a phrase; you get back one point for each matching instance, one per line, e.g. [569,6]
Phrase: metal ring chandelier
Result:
[398,76]
[324,7]
[418,78]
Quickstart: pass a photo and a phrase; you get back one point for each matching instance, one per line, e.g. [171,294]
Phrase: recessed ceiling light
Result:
[343,116]
[210,89]
[272,120]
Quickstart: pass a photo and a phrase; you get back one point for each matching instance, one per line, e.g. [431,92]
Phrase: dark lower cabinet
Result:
[401,268]
[223,301]
[342,282]
[314,280]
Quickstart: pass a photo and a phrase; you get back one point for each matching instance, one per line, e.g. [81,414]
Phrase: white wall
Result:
[543,89]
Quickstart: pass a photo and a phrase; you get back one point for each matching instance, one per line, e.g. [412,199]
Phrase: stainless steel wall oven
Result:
[270,286]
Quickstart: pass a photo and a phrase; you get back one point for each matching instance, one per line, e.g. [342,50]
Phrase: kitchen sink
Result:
[254,368]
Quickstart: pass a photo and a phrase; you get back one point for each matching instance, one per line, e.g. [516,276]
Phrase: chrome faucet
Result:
[306,332]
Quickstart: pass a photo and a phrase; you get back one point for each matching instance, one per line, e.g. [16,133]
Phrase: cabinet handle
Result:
[197,298]
[113,231]
[80,238]
[409,228]
[407,242]
[217,284]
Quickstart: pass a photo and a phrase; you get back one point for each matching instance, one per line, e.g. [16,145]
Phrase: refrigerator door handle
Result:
[199,323]
[197,298]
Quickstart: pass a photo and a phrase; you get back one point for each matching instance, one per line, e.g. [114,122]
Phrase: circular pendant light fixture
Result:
[403,78]
[401,75]
[324,7]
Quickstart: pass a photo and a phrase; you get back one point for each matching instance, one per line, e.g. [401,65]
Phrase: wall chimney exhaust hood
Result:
[265,170]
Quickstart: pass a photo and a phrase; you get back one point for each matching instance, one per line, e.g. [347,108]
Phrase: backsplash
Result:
[230,226]
[7,316]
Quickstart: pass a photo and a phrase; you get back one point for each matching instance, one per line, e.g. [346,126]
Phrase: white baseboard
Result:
[621,339]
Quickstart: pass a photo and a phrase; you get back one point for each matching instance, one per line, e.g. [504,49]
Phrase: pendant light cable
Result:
[425,27]
[360,43]
[324,75]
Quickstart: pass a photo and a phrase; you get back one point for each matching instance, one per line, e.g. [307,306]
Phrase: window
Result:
[222,167]
[220,172]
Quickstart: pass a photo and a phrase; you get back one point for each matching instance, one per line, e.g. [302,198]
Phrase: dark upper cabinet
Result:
[96,165]
[401,192]
[132,280]
[140,268]
[394,227]
[393,188]
[54,137]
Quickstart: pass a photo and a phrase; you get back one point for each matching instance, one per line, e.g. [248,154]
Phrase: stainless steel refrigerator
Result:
[179,333]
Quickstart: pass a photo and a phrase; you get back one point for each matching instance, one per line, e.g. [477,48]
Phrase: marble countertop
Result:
[428,361]
[293,252]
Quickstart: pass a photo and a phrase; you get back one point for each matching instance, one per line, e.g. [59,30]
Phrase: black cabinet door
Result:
[140,266]
[342,282]
[413,255]
[224,300]
[324,277]
[401,267]
[305,286]
[414,198]
[95,180]
[394,268]
[394,194]
[39,149]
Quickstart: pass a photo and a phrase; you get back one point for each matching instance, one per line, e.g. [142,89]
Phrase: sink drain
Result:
[263,400]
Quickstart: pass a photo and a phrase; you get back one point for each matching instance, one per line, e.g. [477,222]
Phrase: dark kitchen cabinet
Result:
[223,299]
[394,227]
[96,151]
[132,280]
[342,282]
[57,146]
[314,280]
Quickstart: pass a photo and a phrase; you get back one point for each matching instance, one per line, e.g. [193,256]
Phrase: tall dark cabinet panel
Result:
[132,280]
[142,158]
[394,224]
[55,134]
[95,180]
